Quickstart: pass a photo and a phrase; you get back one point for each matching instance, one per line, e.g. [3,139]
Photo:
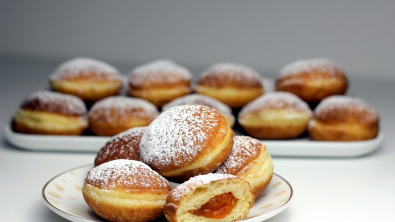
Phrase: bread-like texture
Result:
[312,79]
[344,118]
[275,115]
[186,141]
[232,84]
[125,190]
[159,82]
[197,191]
[86,78]
[250,161]
[117,114]
[48,123]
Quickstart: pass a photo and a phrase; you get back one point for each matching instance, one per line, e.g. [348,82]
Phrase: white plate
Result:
[62,194]
[292,148]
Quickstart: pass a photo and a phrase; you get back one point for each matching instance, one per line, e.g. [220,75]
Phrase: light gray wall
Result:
[266,35]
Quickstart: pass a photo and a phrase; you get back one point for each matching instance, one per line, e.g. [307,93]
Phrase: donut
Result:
[51,113]
[275,115]
[210,197]
[312,79]
[186,141]
[125,190]
[159,82]
[344,118]
[122,146]
[250,161]
[116,114]
[86,78]
[198,99]
[232,84]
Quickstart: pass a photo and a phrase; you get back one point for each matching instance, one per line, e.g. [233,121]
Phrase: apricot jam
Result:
[217,207]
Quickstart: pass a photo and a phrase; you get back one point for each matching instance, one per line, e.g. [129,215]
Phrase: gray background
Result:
[359,35]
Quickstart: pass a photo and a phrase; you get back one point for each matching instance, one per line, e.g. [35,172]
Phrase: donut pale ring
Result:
[197,99]
[116,114]
[186,141]
[344,118]
[232,84]
[45,112]
[159,82]
[275,115]
[312,80]
[250,161]
[122,146]
[210,197]
[125,190]
[86,78]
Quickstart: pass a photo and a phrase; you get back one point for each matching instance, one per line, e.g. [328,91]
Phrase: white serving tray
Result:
[291,148]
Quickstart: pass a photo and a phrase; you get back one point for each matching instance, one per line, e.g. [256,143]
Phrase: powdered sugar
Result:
[134,175]
[244,149]
[177,135]
[124,106]
[307,65]
[162,71]
[43,100]
[276,100]
[198,99]
[186,187]
[81,66]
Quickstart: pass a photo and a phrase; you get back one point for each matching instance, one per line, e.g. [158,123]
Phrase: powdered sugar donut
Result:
[186,141]
[197,99]
[122,146]
[159,82]
[249,160]
[46,112]
[344,118]
[276,115]
[86,78]
[210,197]
[116,114]
[125,190]
[232,84]
[312,79]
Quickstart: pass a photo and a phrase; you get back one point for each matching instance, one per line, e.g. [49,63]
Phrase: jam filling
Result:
[217,207]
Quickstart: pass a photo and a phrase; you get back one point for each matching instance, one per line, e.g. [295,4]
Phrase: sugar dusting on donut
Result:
[42,100]
[225,72]
[347,106]
[178,132]
[123,106]
[193,182]
[124,173]
[81,66]
[307,65]
[198,99]
[244,149]
[163,71]
[276,100]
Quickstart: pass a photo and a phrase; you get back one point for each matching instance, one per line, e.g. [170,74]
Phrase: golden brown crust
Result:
[276,132]
[27,129]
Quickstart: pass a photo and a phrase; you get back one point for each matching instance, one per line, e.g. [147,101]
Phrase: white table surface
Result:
[326,189]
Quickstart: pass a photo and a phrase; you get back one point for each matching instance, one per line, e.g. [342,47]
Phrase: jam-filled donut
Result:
[198,99]
[122,146]
[275,115]
[116,114]
[159,82]
[232,84]
[312,79]
[46,112]
[344,118]
[86,78]
[125,190]
[210,197]
[186,141]
[250,161]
